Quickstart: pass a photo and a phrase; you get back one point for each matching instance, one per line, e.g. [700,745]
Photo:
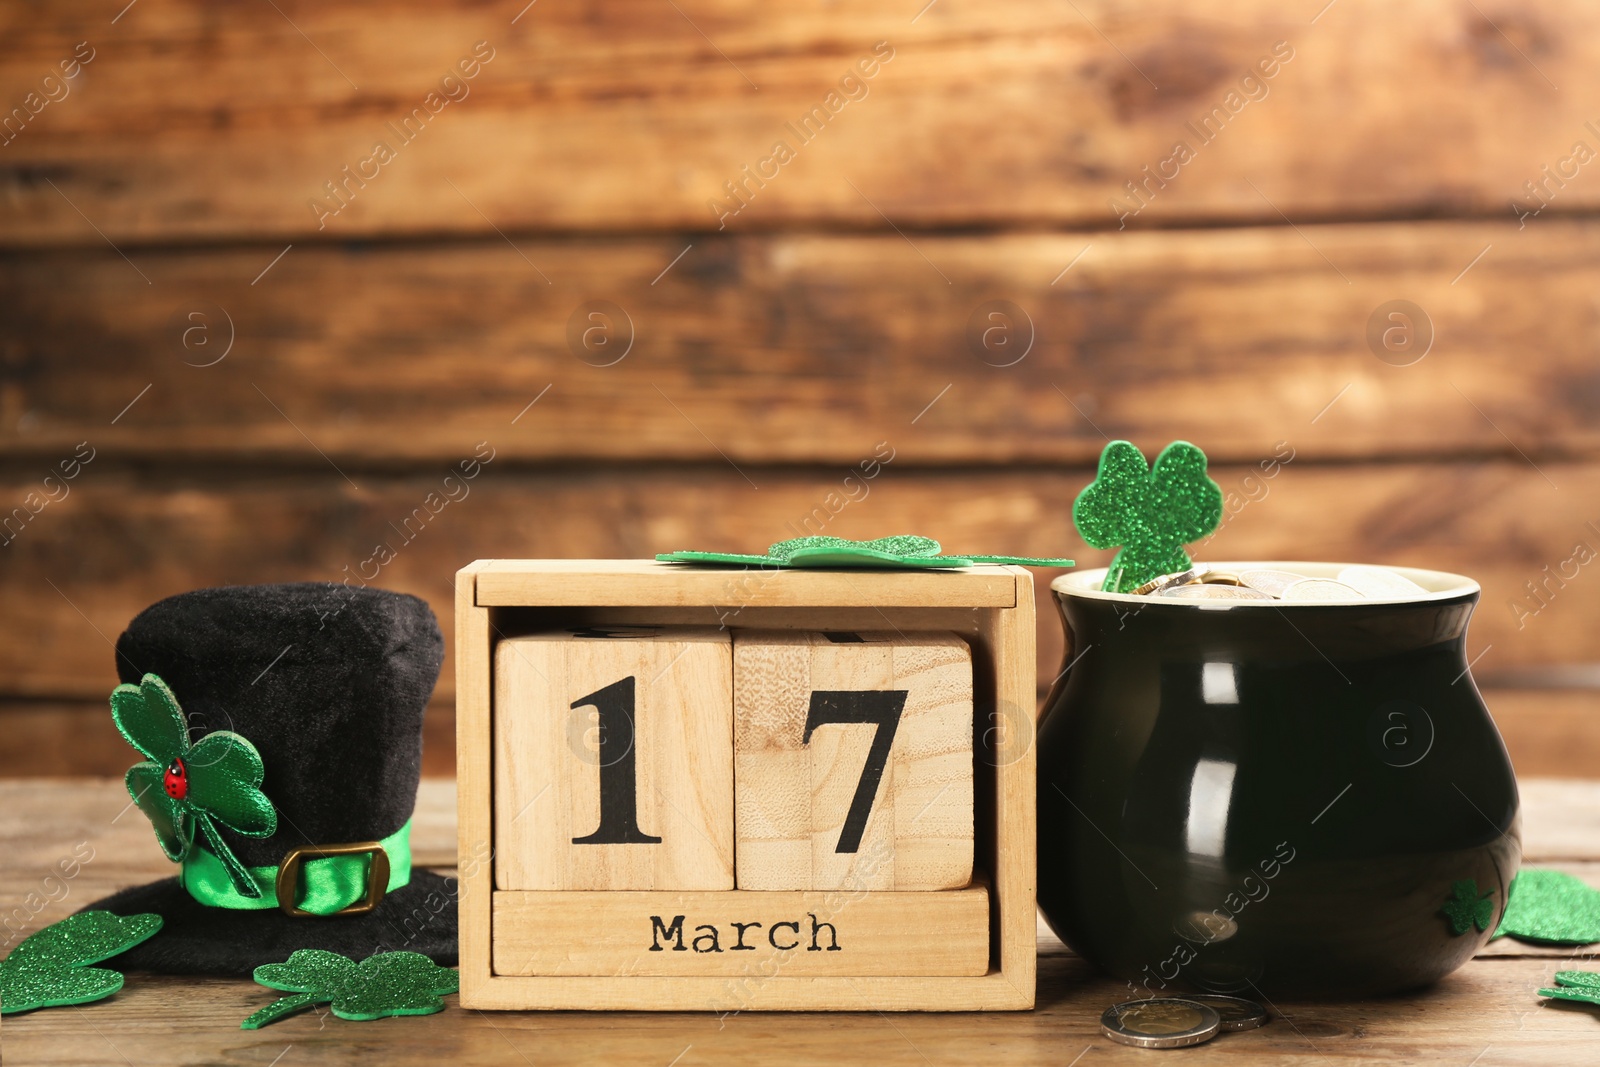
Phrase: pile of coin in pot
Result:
[1354,583]
[1177,1022]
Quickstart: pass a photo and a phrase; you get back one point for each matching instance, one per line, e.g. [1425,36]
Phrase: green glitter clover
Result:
[215,779]
[901,551]
[1575,985]
[1551,907]
[1467,909]
[50,968]
[390,983]
[1148,512]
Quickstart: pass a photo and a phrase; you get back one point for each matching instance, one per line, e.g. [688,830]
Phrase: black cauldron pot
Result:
[1272,798]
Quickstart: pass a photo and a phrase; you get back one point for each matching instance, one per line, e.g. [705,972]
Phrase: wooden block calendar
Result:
[698,788]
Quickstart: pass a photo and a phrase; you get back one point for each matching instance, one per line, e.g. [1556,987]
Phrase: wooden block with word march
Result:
[852,760]
[745,936]
[614,759]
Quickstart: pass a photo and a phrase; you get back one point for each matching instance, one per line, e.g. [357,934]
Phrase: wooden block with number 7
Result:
[614,759]
[853,760]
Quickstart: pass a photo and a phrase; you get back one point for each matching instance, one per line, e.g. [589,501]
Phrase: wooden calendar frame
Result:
[992,606]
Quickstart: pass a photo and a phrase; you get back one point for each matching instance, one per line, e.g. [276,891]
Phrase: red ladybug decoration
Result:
[176,780]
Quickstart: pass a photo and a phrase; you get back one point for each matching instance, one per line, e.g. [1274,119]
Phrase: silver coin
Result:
[1162,1022]
[1380,582]
[1321,589]
[1269,581]
[1201,591]
[1155,585]
[1237,1013]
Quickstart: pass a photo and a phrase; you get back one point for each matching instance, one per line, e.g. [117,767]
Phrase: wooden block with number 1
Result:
[853,760]
[614,759]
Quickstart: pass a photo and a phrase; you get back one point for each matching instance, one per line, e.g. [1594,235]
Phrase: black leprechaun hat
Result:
[279,733]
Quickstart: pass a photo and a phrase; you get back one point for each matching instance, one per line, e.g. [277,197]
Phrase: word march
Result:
[782,936]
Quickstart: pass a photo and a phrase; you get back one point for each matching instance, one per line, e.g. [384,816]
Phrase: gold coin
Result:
[1381,582]
[1155,585]
[1321,589]
[1269,581]
[1162,1022]
[1221,578]
[1202,591]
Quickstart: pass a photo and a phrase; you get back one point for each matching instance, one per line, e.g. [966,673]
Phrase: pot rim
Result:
[1441,585]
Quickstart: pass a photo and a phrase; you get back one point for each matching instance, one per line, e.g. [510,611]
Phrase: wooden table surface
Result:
[1487,1013]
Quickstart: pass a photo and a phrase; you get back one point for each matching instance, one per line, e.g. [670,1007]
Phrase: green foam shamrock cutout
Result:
[1575,985]
[50,968]
[215,779]
[901,551]
[390,983]
[1149,512]
[1551,907]
[1466,909]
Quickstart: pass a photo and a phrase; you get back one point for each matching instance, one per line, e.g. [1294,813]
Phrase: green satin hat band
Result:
[327,884]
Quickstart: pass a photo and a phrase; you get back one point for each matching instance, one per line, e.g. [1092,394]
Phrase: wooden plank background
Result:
[269,389]
[200,122]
